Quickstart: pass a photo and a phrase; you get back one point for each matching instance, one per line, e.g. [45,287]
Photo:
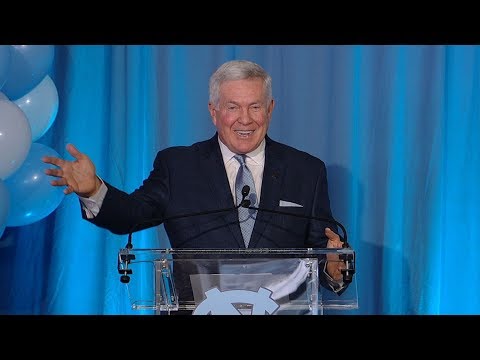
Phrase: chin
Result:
[245,148]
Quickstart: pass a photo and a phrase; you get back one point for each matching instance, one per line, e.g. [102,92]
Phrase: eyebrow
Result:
[236,103]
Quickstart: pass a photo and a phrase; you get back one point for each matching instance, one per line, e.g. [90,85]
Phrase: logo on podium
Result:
[237,302]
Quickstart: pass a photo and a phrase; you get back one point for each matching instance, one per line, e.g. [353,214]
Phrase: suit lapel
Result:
[220,187]
[271,184]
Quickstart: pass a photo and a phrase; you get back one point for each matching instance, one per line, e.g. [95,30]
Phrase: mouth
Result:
[244,133]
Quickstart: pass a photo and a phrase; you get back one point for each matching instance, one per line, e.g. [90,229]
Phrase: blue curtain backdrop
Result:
[397,126]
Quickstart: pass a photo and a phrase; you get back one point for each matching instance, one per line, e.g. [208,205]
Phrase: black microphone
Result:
[348,259]
[157,221]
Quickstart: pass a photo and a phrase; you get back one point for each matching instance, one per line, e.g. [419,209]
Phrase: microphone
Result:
[348,259]
[127,258]
[243,202]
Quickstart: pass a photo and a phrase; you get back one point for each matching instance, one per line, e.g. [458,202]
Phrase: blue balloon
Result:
[30,189]
[29,65]
[5,58]
[40,106]
[4,206]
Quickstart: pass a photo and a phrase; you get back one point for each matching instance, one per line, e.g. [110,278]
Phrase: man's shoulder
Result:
[290,153]
[187,150]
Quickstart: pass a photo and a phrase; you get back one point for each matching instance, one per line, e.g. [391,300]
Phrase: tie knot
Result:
[240,158]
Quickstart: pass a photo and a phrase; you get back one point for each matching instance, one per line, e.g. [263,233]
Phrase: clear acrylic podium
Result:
[234,281]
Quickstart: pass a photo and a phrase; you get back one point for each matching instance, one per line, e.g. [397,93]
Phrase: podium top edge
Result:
[253,251]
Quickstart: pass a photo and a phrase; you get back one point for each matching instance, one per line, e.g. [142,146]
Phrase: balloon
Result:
[40,106]
[4,206]
[5,58]
[15,138]
[29,65]
[30,189]
[3,96]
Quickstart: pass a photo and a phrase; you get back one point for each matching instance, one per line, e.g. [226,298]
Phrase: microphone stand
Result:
[127,258]
[348,259]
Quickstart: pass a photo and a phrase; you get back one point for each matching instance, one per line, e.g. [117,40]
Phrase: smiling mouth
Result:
[244,133]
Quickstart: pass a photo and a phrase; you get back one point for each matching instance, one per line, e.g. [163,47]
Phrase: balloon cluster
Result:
[28,108]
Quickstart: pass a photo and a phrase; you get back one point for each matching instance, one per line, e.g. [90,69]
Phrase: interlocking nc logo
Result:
[223,302]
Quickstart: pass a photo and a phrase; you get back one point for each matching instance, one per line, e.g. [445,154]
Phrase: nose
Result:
[244,117]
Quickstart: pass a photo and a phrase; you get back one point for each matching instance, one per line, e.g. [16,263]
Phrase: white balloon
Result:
[40,106]
[15,138]
[4,206]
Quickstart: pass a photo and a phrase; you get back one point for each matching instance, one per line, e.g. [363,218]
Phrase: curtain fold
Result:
[397,126]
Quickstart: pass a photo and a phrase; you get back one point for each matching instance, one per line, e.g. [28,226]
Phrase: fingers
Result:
[53,160]
[333,239]
[334,269]
[63,182]
[332,235]
[63,177]
[329,231]
[54,172]
[60,182]
[60,162]
[334,265]
[68,190]
[72,150]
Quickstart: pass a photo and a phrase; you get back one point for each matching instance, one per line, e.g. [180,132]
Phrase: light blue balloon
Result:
[29,65]
[30,189]
[4,206]
[40,106]
[15,138]
[5,58]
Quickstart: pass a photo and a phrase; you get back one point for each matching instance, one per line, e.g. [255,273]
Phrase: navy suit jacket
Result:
[190,179]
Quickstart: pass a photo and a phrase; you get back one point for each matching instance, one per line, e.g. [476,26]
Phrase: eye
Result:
[232,108]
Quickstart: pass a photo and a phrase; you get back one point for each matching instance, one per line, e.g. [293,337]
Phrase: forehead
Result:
[242,89]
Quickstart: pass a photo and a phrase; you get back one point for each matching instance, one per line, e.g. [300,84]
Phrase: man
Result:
[203,177]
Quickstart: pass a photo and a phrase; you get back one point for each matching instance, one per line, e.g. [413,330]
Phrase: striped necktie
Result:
[246,216]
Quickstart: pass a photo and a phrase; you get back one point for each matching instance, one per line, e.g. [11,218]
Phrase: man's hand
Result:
[78,176]
[334,264]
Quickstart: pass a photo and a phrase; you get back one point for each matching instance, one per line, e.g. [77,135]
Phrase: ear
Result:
[211,109]
[270,108]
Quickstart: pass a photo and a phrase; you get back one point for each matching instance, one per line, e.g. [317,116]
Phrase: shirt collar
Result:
[257,155]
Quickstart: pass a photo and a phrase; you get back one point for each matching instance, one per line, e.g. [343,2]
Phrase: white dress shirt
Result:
[255,161]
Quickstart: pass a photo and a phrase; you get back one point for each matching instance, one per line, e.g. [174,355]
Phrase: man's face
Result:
[243,114]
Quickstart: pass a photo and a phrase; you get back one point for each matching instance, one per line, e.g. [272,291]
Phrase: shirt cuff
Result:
[92,204]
